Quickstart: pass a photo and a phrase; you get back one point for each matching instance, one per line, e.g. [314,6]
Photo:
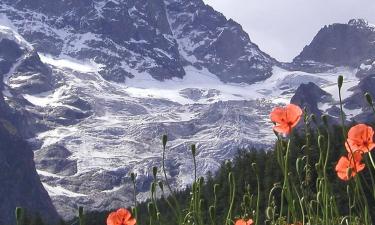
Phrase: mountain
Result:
[91,92]
[348,45]
[341,44]
[158,37]
[103,80]
[20,184]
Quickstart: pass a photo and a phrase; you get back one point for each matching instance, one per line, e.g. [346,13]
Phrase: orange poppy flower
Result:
[352,162]
[120,217]
[360,138]
[244,222]
[286,118]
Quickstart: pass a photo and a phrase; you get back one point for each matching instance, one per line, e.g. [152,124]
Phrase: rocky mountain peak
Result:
[360,23]
[127,38]
[341,44]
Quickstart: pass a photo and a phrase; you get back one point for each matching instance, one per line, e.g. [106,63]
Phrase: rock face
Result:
[207,39]
[20,183]
[341,44]
[129,37]
[309,95]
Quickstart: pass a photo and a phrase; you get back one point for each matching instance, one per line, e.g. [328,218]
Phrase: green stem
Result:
[232,191]
[178,212]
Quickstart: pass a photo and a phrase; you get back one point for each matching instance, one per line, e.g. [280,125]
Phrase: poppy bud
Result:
[132,176]
[340,80]
[80,211]
[254,166]
[19,215]
[201,181]
[216,188]
[368,98]
[313,118]
[154,171]
[81,216]
[153,187]
[228,164]
[158,216]
[161,185]
[317,166]
[165,139]
[325,119]
[193,149]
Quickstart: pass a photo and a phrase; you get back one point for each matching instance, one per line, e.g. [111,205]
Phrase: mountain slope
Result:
[157,37]
[20,184]
[341,44]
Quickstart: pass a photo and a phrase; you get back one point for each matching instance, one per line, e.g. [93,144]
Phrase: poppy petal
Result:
[112,219]
[123,213]
[283,129]
[294,114]
[278,115]
[131,222]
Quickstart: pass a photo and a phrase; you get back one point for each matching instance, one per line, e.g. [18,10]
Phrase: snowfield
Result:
[124,130]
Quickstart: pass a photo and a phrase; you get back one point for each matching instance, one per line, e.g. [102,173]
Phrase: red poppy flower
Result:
[360,138]
[286,118]
[352,162]
[120,217]
[244,222]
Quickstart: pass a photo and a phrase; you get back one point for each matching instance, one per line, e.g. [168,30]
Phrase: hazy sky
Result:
[282,28]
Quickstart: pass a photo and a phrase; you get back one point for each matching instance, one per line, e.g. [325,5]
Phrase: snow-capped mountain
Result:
[103,80]
[341,44]
[157,37]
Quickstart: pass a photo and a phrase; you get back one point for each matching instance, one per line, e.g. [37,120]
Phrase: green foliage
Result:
[246,184]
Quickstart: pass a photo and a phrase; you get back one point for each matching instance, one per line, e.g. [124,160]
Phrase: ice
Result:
[60,191]
[48,174]
[70,63]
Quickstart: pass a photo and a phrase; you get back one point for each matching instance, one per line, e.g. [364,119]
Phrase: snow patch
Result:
[60,191]
[71,63]
[8,31]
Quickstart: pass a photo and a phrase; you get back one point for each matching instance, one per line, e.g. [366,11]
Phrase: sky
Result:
[282,28]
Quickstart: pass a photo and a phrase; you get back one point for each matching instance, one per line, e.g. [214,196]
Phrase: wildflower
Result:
[348,166]
[360,138]
[286,118]
[244,222]
[120,217]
